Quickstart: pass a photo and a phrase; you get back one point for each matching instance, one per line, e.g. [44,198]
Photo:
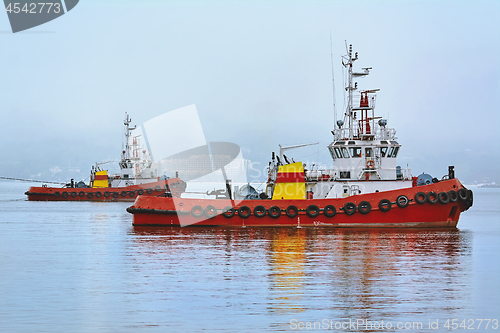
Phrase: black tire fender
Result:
[420,198]
[292,211]
[259,211]
[402,201]
[228,212]
[244,212]
[329,211]
[350,208]
[364,207]
[312,210]
[210,211]
[274,212]
[453,195]
[432,197]
[463,194]
[443,198]
[385,205]
[197,211]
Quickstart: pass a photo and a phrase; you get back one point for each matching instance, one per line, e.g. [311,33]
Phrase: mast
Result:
[128,130]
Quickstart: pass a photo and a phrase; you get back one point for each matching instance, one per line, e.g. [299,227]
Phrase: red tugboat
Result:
[137,177]
[365,187]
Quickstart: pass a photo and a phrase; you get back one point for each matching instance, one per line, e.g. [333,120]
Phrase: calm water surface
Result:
[83,267]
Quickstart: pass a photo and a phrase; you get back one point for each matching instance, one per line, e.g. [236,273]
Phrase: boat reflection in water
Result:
[369,274]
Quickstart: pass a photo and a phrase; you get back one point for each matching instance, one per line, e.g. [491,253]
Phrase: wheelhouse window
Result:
[337,152]
[368,152]
[383,151]
[355,151]
[391,151]
[344,152]
[395,152]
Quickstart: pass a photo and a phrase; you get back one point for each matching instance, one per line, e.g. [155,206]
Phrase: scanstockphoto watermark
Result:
[380,325]
[27,14]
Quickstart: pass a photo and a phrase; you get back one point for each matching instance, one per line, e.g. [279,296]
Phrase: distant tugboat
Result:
[365,187]
[136,178]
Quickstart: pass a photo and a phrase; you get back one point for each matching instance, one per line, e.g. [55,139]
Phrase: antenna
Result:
[333,83]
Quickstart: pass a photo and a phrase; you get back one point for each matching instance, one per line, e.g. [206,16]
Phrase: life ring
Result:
[228,212]
[432,197]
[420,198]
[73,194]
[57,193]
[244,212]
[291,211]
[140,191]
[98,194]
[463,194]
[350,208]
[443,198]
[453,195]
[197,211]
[259,211]
[115,195]
[329,211]
[385,205]
[210,211]
[312,210]
[131,194]
[81,194]
[157,188]
[90,195]
[274,212]
[364,207]
[65,194]
[106,194]
[402,201]
[370,164]
[149,191]
[124,193]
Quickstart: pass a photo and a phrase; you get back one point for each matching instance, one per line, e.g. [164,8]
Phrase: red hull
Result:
[107,194]
[161,211]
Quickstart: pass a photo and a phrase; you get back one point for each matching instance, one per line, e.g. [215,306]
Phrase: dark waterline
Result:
[82,267]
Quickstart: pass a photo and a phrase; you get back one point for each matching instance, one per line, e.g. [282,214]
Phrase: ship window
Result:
[331,152]
[383,142]
[394,142]
[337,152]
[345,153]
[352,142]
[383,150]
[368,152]
[390,152]
[123,165]
[395,153]
[355,151]
[345,174]
[339,142]
[130,165]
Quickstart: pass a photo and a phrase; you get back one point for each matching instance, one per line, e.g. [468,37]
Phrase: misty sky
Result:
[260,75]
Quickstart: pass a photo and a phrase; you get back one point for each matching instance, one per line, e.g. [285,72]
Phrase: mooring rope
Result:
[31,180]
